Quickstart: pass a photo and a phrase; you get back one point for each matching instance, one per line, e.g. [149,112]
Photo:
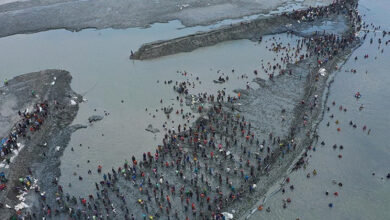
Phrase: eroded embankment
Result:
[253,30]
[48,90]
[248,30]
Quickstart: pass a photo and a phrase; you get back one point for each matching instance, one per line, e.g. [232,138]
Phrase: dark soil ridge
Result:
[252,30]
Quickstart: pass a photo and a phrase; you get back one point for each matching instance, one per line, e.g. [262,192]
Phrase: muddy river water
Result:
[102,72]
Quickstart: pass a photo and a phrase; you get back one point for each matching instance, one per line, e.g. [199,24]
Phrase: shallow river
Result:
[103,74]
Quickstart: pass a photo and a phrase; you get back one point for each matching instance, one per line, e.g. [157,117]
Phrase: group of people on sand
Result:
[30,120]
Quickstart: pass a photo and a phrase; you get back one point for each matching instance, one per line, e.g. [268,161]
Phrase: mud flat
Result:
[39,159]
[32,16]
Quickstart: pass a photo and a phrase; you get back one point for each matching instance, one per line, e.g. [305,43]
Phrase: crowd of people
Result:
[310,14]
[31,120]
[198,171]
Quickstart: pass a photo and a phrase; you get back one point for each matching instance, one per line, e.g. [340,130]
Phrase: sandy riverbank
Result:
[40,152]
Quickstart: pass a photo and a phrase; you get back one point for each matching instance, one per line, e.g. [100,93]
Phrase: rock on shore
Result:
[95,118]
